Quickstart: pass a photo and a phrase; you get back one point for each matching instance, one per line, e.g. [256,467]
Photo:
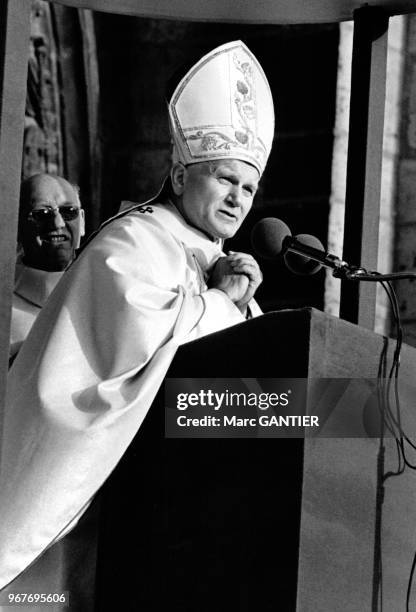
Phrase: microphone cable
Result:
[391,422]
[394,424]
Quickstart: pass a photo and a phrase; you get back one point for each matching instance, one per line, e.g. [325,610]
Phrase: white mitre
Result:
[223,108]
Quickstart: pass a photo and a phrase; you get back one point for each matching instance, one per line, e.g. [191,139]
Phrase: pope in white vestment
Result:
[93,362]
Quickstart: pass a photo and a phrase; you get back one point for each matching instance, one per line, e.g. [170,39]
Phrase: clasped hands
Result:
[238,275]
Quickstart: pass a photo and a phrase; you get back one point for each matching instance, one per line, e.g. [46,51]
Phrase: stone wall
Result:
[405,255]
[42,144]
[391,148]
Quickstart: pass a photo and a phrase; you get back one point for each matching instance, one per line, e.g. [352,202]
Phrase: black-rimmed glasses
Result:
[46,213]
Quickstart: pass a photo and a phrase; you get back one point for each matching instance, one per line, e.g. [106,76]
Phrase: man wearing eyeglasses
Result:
[51,223]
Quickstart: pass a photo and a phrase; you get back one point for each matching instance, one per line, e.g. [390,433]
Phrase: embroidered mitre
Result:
[223,108]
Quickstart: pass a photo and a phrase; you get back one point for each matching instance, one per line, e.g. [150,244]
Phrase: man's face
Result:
[218,195]
[51,223]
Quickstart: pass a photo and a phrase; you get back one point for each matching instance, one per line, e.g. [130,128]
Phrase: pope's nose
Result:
[234,196]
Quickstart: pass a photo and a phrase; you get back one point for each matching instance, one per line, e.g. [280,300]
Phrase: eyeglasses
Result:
[42,215]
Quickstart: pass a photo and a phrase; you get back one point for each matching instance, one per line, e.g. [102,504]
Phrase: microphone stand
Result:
[346,272]
[340,269]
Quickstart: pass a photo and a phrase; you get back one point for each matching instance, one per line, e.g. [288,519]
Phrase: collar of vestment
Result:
[33,285]
[205,249]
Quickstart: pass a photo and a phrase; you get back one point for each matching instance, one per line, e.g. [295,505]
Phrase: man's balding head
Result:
[51,222]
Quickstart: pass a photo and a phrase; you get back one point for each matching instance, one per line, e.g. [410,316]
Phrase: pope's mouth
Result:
[227,215]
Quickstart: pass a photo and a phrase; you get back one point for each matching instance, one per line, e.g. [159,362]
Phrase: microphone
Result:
[303,254]
[295,259]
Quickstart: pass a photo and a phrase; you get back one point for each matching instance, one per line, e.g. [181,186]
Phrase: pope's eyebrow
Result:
[230,174]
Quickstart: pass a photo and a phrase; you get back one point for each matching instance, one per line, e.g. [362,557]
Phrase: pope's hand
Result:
[238,275]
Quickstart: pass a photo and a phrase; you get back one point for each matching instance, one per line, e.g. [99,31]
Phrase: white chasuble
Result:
[91,366]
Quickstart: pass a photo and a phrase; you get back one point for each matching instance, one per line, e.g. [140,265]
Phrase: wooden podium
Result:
[261,524]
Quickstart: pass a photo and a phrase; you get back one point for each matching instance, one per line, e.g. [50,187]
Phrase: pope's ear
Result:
[178,178]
